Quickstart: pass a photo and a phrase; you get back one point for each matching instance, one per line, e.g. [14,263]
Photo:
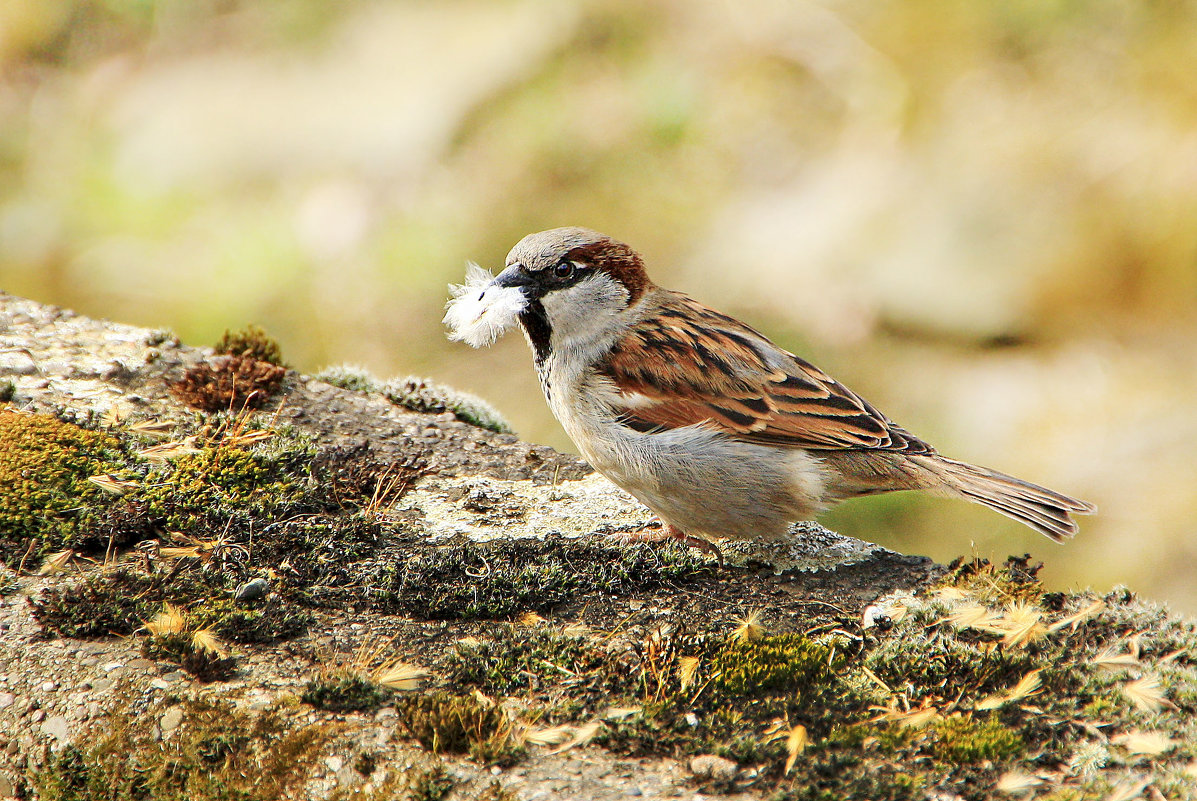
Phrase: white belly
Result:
[703,482]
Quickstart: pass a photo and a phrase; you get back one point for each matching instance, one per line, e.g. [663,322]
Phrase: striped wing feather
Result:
[688,364]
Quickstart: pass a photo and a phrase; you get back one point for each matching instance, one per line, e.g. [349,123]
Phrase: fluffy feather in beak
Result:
[483,308]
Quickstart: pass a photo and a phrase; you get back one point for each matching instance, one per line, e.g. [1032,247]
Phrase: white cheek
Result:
[480,312]
[586,312]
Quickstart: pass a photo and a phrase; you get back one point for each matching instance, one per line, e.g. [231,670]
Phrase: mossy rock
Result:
[47,502]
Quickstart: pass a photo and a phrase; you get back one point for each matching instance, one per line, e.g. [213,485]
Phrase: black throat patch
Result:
[536,323]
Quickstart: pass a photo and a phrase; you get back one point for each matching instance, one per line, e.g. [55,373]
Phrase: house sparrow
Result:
[716,429]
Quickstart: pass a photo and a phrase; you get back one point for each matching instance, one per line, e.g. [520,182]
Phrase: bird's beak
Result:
[514,277]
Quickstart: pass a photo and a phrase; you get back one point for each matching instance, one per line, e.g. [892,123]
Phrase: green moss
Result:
[219,753]
[433,784]
[942,658]
[205,663]
[417,783]
[263,621]
[8,391]
[120,601]
[350,377]
[460,724]
[526,575]
[46,502]
[518,660]
[251,342]
[424,395]
[1016,579]
[783,662]
[8,582]
[221,479]
[99,605]
[840,780]
[960,739]
[344,690]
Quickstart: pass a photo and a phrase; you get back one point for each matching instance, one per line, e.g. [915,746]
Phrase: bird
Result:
[702,418]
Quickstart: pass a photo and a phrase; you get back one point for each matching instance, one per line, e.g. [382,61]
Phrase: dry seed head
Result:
[1148,743]
[113,485]
[687,667]
[1023,625]
[564,737]
[796,742]
[400,676]
[622,712]
[554,735]
[951,594]
[206,640]
[1128,790]
[170,450]
[582,735]
[1145,693]
[973,616]
[170,620]
[158,429]
[1013,783]
[1075,620]
[914,718]
[243,438]
[749,627]
[56,563]
[578,629]
[1027,686]
[1110,659]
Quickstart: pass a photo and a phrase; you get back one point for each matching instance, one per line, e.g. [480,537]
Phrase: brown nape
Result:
[617,260]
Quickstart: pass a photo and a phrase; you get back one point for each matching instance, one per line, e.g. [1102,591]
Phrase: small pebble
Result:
[714,767]
[252,590]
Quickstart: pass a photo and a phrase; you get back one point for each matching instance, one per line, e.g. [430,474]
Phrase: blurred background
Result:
[980,214]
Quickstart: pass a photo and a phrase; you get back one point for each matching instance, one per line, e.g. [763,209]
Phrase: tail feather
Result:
[1044,510]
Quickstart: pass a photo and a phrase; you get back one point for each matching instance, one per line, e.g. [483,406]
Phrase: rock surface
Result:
[476,488]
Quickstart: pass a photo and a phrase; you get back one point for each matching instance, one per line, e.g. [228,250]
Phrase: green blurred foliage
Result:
[978,214]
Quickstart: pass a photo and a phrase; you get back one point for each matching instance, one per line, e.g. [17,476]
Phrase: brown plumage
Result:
[704,419]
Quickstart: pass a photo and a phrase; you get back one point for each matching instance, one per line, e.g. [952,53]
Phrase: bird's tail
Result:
[1044,510]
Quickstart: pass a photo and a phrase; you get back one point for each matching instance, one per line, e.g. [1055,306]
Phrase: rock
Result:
[170,719]
[252,590]
[57,727]
[715,768]
[7,700]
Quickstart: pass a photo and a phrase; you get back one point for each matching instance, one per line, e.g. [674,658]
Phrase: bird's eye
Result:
[564,270]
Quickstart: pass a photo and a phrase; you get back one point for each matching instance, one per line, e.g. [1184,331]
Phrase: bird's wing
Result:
[686,364]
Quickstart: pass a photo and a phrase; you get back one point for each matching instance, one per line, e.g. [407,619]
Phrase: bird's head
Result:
[562,285]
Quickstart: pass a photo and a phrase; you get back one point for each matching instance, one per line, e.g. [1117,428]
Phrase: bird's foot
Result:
[668,531]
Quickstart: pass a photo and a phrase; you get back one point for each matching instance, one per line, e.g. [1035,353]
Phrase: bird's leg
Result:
[668,531]
[659,533]
[706,546]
